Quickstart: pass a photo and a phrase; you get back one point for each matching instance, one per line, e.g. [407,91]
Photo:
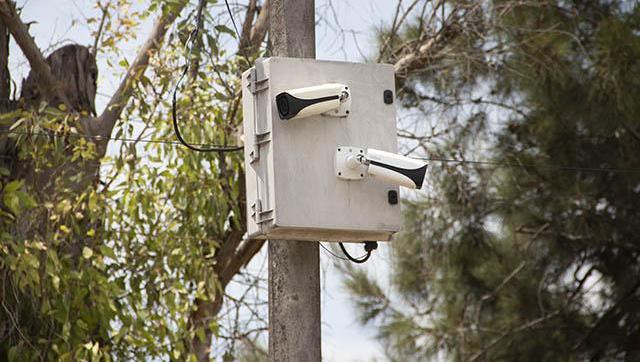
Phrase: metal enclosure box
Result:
[291,186]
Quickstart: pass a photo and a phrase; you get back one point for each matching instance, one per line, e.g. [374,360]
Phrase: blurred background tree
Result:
[524,257]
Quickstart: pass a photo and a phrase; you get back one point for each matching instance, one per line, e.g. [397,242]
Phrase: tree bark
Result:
[5,77]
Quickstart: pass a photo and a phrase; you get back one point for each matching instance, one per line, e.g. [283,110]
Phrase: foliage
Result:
[533,260]
[57,295]
[104,258]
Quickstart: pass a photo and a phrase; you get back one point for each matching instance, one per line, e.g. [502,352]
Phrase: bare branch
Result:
[395,26]
[105,13]
[524,327]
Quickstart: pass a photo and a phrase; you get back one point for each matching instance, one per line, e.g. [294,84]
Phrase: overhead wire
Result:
[433,159]
[525,165]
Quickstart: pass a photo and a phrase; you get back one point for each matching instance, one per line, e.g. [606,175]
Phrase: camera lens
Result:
[283,105]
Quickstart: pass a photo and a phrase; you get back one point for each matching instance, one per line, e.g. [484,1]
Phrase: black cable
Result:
[369,246]
[242,49]
[176,129]
[174,108]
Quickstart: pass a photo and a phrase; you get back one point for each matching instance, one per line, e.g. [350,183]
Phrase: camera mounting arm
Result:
[353,163]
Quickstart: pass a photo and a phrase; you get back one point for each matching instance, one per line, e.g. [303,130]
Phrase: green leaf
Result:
[87,252]
[13,186]
[107,251]
[12,202]
[13,354]
[224,29]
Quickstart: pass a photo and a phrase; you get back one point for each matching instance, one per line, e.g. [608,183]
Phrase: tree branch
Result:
[512,331]
[259,31]
[47,83]
[248,21]
[105,13]
[103,125]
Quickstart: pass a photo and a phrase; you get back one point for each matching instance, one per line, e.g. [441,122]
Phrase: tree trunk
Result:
[6,104]
[5,78]
[75,69]
[74,66]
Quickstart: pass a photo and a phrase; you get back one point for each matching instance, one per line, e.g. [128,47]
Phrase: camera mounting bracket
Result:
[347,166]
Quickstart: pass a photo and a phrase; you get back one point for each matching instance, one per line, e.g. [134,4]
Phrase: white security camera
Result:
[331,99]
[353,163]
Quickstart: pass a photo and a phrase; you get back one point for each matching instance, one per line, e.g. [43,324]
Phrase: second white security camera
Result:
[353,163]
[331,99]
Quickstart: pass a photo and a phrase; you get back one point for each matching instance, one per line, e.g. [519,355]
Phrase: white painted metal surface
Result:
[291,186]
[347,166]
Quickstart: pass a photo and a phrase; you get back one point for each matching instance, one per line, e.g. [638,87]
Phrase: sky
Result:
[59,22]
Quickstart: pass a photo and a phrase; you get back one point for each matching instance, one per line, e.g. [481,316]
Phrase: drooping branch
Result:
[47,82]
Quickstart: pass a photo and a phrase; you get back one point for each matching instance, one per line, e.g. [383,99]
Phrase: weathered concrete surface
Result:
[294,266]
[294,301]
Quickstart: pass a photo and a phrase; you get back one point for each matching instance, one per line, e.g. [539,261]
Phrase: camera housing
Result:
[353,163]
[331,99]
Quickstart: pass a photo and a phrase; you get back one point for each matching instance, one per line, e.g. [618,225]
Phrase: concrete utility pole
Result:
[294,266]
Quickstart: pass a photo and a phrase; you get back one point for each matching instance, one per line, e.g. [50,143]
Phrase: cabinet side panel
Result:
[250,175]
